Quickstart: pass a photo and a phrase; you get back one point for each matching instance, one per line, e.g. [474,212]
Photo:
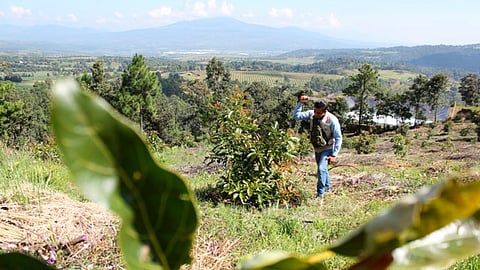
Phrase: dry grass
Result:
[60,230]
[82,235]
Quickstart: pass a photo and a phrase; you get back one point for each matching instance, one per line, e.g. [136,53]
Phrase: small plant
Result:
[400,145]
[45,150]
[425,144]
[431,131]
[366,143]
[403,129]
[468,130]
[447,127]
[448,145]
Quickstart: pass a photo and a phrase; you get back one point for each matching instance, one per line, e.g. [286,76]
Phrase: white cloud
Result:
[210,8]
[2,14]
[72,17]
[199,9]
[100,20]
[333,21]
[281,12]
[226,8]
[160,12]
[20,11]
[118,14]
[212,4]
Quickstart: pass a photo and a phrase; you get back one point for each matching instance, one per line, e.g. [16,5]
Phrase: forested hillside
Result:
[171,100]
[464,58]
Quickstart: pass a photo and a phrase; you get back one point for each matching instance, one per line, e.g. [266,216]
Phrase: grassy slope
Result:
[362,186]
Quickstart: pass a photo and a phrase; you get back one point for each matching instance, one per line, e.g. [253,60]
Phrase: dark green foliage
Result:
[436,87]
[447,126]
[365,143]
[327,86]
[403,129]
[400,145]
[270,105]
[139,94]
[13,78]
[172,84]
[470,129]
[255,157]
[140,98]
[24,113]
[476,120]
[470,89]
[417,95]
[363,85]
[218,79]
[10,113]
[18,261]
[339,107]
[199,114]
[394,105]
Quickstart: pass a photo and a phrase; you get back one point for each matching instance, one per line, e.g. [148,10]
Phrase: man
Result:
[323,154]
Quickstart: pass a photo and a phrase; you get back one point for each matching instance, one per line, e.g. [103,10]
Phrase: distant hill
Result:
[227,37]
[214,35]
[464,57]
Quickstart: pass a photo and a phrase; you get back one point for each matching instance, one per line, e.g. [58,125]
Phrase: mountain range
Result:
[214,35]
[226,36]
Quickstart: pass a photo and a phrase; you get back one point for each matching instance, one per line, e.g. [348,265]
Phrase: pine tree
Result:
[363,85]
[139,94]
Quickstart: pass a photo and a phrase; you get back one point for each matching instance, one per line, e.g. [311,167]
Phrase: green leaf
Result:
[19,261]
[441,248]
[113,166]
[413,218]
[276,260]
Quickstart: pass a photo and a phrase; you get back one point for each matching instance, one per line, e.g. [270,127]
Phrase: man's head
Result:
[320,108]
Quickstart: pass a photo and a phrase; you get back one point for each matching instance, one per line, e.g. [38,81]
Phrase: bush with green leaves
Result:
[468,130]
[476,121]
[365,143]
[255,157]
[447,127]
[400,145]
[403,129]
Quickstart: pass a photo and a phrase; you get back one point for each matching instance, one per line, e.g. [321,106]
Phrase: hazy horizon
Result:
[407,22]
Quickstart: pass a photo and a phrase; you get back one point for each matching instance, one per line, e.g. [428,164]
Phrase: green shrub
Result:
[468,130]
[255,158]
[447,127]
[366,143]
[304,147]
[46,151]
[403,129]
[400,145]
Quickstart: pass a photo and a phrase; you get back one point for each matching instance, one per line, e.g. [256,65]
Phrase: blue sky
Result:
[402,22]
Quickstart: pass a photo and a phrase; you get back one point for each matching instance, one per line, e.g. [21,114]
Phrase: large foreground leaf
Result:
[430,230]
[112,165]
[413,218]
[20,261]
[276,260]
[442,248]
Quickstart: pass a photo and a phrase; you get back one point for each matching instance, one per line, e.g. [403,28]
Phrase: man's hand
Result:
[331,159]
[303,99]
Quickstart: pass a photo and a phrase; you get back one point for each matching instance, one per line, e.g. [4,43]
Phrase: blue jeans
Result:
[323,182]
